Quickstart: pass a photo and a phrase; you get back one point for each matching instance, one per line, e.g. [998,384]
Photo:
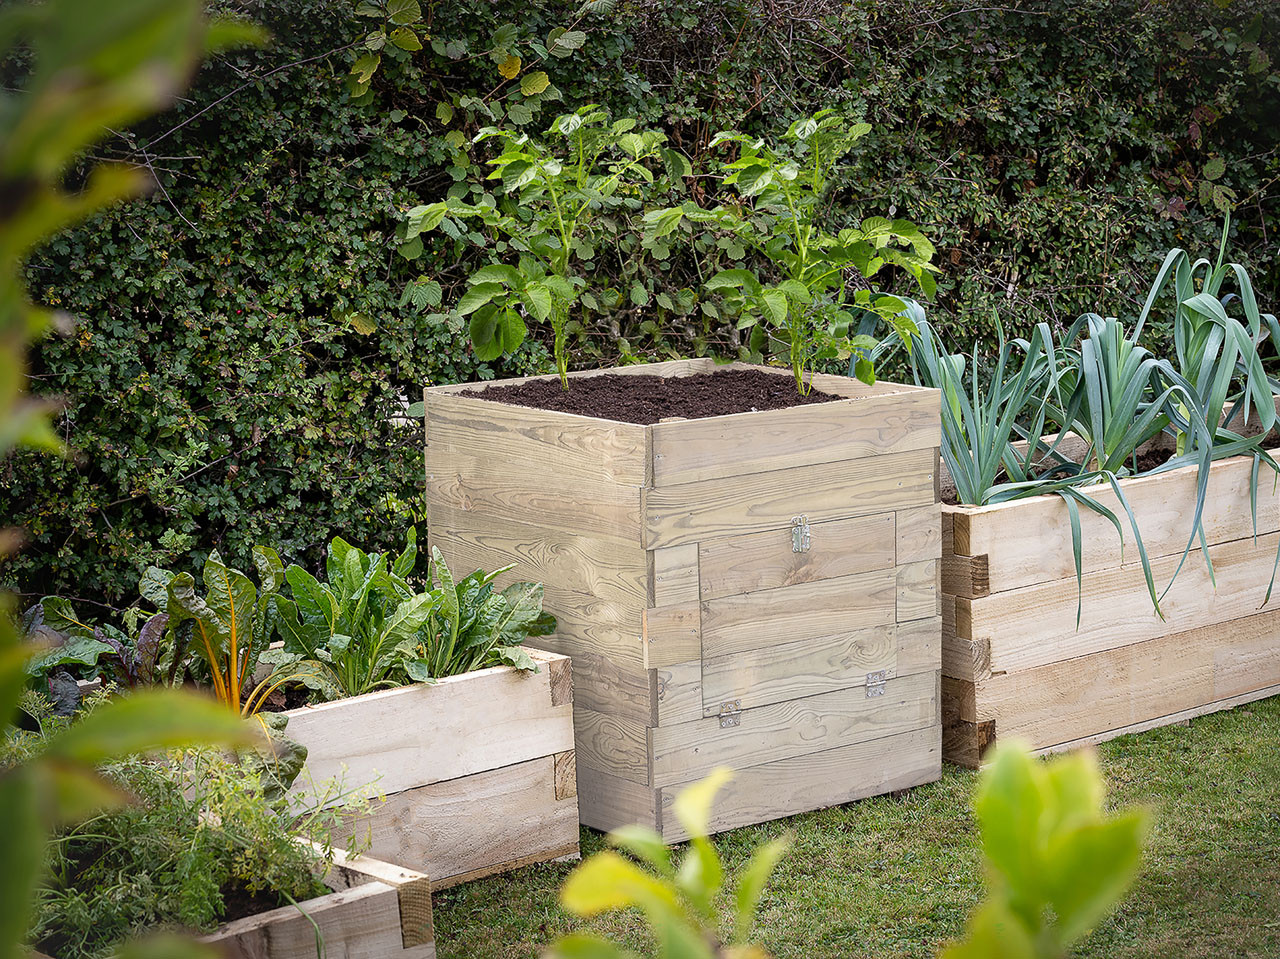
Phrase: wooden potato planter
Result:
[757,590]
[379,911]
[477,769]
[1016,665]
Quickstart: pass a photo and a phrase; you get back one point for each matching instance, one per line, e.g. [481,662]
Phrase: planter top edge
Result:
[1126,482]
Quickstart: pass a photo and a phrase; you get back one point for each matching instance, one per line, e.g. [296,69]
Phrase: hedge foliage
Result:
[249,336]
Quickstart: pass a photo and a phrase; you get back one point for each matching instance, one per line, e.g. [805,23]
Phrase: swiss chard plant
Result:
[587,169]
[812,304]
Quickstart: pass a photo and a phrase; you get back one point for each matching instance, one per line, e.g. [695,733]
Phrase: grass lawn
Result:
[895,877]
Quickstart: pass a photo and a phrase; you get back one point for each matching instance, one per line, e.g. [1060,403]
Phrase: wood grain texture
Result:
[607,569]
[586,624]
[571,448]
[566,774]
[1036,625]
[1029,541]
[1120,687]
[917,591]
[784,730]
[359,923]
[756,561]
[672,634]
[413,890]
[679,693]
[736,624]
[919,534]
[415,735]
[666,368]
[814,780]
[607,802]
[674,577]
[611,745]
[692,512]
[476,825]
[716,447]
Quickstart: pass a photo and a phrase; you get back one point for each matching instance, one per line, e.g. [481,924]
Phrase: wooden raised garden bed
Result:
[477,769]
[377,911]
[1014,662]
[699,635]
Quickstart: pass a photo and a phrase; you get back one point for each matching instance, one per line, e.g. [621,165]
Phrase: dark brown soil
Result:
[286,697]
[239,902]
[649,399]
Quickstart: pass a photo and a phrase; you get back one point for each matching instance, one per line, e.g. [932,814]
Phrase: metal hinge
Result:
[731,714]
[875,684]
[800,535]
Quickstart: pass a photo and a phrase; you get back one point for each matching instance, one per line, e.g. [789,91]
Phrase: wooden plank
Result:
[586,624]
[919,534]
[917,591]
[768,617]
[607,802]
[775,674]
[963,658]
[566,774]
[679,693]
[665,368]
[742,564]
[692,512]
[1036,625]
[783,730]
[716,447]
[553,446]
[815,780]
[413,890]
[415,735]
[966,576]
[600,684]
[612,745]
[475,826]
[674,575]
[500,486]
[672,634]
[1117,688]
[1179,717]
[606,569]
[359,923]
[1029,541]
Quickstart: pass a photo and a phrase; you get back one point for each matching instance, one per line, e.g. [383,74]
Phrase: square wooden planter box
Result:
[477,769]
[1014,663]
[699,635]
[378,911]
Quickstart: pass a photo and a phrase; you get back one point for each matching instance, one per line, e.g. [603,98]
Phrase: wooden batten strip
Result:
[919,534]
[917,591]
[693,512]
[673,576]
[672,634]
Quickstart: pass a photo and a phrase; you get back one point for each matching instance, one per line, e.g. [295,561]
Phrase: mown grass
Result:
[893,878]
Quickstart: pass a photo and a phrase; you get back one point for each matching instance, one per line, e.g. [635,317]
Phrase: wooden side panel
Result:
[512,818]
[562,560]
[415,735]
[1036,625]
[1116,688]
[775,674]
[818,779]
[1029,541]
[359,923]
[606,801]
[716,447]
[736,624]
[692,512]
[756,561]
[672,634]
[784,730]
[679,693]
[612,745]
[917,596]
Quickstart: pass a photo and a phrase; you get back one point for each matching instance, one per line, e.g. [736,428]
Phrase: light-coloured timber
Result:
[467,765]
[692,512]
[1014,662]
[746,564]
[759,589]
[364,920]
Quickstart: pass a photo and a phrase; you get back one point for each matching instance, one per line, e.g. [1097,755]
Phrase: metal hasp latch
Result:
[875,684]
[731,714]
[800,535]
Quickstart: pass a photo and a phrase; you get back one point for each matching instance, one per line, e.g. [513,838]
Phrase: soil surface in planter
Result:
[648,399]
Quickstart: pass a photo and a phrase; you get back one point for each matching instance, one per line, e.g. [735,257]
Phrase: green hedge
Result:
[220,391]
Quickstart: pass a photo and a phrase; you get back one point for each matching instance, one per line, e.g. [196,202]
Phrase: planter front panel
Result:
[699,634]
[1016,664]
[468,766]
